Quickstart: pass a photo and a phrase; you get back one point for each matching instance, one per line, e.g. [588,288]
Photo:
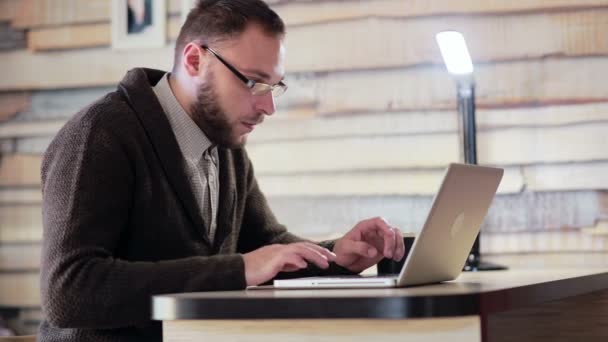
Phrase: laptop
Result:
[440,249]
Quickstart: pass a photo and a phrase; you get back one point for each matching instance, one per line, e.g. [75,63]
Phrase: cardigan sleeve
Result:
[87,181]
[261,228]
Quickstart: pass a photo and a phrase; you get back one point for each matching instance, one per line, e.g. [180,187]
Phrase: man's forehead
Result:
[257,54]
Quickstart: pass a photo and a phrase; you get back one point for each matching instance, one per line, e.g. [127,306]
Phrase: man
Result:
[149,190]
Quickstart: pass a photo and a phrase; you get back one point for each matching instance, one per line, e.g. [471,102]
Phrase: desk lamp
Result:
[458,63]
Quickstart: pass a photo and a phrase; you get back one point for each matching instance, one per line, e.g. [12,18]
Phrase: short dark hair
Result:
[214,20]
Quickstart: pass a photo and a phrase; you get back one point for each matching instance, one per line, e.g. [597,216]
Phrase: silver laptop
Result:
[442,246]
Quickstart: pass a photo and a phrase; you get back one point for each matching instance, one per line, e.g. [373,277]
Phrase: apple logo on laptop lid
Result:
[457,225]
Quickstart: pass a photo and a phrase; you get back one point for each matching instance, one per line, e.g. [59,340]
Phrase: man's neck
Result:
[181,93]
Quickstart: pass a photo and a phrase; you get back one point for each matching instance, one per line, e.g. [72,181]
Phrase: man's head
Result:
[221,48]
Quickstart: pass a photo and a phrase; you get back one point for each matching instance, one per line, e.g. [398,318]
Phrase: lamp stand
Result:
[466,110]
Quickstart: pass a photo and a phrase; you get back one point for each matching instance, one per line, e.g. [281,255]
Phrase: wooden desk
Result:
[515,305]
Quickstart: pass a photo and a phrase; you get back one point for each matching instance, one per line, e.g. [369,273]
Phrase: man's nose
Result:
[265,103]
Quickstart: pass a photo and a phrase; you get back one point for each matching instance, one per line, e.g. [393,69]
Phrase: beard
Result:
[211,119]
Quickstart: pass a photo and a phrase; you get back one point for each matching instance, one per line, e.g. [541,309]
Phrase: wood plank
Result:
[541,117]
[579,143]
[20,224]
[83,35]
[13,103]
[11,38]
[20,196]
[20,170]
[44,71]
[34,13]
[513,146]
[36,145]
[53,104]
[394,182]
[550,241]
[536,211]
[69,37]
[20,290]
[582,176]
[302,12]
[41,13]
[30,129]
[378,153]
[466,328]
[551,260]
[8,9]
[19,257]
[551,81]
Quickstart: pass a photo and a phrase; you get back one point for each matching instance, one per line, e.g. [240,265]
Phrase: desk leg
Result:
[454,329]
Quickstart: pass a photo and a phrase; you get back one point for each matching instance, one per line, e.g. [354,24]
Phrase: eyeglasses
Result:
[257,88]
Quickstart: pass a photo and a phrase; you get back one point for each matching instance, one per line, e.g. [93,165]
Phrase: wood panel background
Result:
[367,126]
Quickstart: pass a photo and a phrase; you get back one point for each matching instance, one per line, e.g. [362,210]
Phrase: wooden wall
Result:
[367,126]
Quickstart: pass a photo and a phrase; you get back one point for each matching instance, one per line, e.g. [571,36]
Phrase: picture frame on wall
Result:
[138,24]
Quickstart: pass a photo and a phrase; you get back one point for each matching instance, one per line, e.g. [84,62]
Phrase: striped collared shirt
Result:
[200,155]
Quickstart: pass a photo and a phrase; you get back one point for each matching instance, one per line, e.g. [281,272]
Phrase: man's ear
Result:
[193,59]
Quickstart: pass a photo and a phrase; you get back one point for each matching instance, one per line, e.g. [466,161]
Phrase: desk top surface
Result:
[472,293]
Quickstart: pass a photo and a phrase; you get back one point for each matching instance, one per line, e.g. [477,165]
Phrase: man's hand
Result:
[264,263]
[367,243]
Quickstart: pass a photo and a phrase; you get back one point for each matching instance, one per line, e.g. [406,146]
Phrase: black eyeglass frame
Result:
[262,88]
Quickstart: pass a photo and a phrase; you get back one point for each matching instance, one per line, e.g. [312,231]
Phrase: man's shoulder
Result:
[109,113]
[106,112]
[103,121]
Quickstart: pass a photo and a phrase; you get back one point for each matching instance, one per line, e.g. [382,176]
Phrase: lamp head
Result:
[455,53]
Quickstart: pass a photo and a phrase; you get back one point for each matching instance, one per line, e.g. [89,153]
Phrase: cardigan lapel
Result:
[136,87]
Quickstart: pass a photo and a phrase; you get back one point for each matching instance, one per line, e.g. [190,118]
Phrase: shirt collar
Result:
[191,139]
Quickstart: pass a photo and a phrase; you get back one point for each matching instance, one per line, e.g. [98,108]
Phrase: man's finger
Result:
[378,225]
[331,256]
[293,262]
[361,248]
[310,254]
[389,244]
[399,245]
[386,232]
